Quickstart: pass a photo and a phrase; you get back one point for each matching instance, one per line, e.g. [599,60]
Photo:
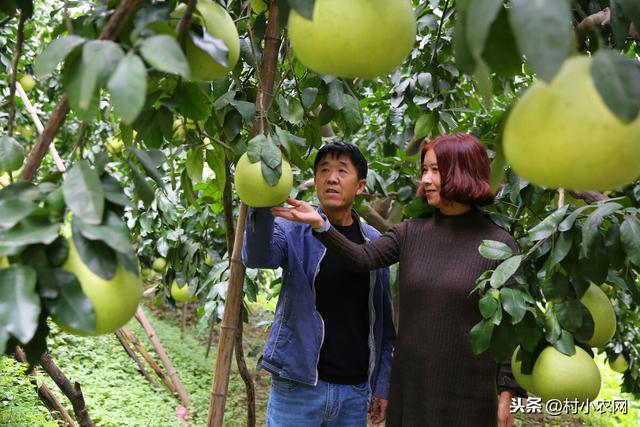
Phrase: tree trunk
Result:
[72,391]
[110,31]
[233,303]
[150,360]
[123,341]
[142,318]
[46,395]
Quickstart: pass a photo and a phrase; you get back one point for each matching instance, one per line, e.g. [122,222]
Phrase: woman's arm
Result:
[381,252]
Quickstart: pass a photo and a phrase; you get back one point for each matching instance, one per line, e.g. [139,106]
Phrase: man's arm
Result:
[265,245]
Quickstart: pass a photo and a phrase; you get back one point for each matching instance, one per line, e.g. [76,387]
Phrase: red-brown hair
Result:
[464,169]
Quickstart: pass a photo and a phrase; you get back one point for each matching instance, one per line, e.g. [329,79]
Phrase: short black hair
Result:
[338,148]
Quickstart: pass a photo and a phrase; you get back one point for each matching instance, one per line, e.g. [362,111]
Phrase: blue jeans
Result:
[293,404]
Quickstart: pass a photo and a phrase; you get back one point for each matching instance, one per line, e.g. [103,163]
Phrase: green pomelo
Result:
[252,188]
[562,134]
[604,318]
[356,38]
[115,301]
[558,376]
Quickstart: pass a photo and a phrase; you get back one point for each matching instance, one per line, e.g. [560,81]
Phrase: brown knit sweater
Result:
[436,380]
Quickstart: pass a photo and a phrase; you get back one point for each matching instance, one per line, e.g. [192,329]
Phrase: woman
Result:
[436,380]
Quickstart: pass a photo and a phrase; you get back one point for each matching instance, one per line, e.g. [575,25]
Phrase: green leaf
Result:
[567,224]
[556,288]
[83,193]
[309,96]
[619,23]
[296,112]
[114,233]
[246,109]
[271,175]
[565,344]
[424,125]
[149,165]
[504,271]
[216,161]
[192,101]
[55,53]
[560,249]
[164,54]
[591,227]
[11,154]
[464,57]
[503,341]
[481,336]
[70,306]
[19,302]
[254,148]
[551,326]
[544,33]
[128,88]
[187,187]
[143,189]
[492,249]
[569,314]
[630,238]
[336,95]
[72,79]
[488,306]
[352,113]
[303,7]
[99,59]
[112,191]
[194,165]
[548,226]
[270,154]
[151,126]
[13,210]
[528,332]
[498,166]
[617,79]
[513,301]
[28,232]
[213,46]
[95,254]
[479,17]
[631,9]
[500,49]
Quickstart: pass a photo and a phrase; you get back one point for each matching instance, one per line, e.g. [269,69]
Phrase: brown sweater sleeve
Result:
[381,252]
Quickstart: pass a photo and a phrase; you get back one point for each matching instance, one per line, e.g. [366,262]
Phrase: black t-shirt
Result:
[342,299]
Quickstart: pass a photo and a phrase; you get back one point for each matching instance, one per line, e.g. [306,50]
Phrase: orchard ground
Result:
[117,395]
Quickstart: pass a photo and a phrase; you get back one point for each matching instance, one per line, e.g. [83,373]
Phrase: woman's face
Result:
[431,179]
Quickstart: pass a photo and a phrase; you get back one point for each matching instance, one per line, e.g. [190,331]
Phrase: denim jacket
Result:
[292,350]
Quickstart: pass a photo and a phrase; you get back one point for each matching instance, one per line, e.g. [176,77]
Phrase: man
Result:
[331,342]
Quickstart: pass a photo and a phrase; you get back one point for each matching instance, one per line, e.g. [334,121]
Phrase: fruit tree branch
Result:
[72,391]
[14,72]
[110,31]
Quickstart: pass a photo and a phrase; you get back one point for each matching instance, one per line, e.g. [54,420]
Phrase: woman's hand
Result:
[505,417]
[300,212]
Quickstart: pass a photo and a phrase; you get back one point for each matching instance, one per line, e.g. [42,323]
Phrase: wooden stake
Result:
[123,341]
[150,360]
[142,318]
[233,303]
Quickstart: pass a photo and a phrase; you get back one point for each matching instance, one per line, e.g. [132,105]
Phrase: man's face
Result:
[337,182]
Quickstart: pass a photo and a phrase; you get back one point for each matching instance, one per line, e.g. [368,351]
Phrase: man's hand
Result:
[378,410]
[300,212]
[505,417]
